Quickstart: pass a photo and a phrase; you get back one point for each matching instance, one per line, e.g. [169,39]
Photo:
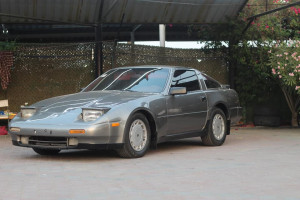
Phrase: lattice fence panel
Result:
[41,71]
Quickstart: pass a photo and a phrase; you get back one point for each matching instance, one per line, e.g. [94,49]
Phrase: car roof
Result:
[154,66]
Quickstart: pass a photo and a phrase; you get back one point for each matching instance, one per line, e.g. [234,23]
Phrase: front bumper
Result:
[99,136]
[78,146]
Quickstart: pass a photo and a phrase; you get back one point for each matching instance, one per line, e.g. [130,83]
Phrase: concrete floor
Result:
[252,164]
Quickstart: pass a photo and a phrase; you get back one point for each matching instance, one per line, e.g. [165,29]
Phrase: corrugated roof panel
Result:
[40,9]
[215,13]
[231,11]
[87,12]
[176,11]
[136,11]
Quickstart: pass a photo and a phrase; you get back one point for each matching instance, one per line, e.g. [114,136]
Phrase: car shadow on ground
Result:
[96,155]
[178,145]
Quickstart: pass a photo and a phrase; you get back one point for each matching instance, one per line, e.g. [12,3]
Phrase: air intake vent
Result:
[48,141]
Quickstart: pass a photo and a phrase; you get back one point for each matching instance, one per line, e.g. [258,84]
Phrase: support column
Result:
[132,39]
[232,66]
[132,56]
[98,55]
[132,33]
[162,39]
[162,35]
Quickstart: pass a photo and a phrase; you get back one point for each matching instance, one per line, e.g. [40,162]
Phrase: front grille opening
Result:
[48,141]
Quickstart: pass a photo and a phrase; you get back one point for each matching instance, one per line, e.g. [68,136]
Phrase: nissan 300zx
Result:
[130,109]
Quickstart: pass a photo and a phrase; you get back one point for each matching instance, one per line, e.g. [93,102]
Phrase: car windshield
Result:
[131,79]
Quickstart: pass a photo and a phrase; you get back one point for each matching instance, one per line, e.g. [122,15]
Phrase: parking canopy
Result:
[113,11]
[74,20]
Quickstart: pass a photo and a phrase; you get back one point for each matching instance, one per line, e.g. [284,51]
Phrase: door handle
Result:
[203,99]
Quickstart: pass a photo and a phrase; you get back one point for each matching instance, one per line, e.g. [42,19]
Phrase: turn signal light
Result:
[77,131]
[115,124]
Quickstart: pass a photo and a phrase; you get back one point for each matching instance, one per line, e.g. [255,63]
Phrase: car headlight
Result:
[27,112]
[90,114]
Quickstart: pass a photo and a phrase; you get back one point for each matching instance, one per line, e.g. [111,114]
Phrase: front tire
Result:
[137,137]
[216,133]
[46,151]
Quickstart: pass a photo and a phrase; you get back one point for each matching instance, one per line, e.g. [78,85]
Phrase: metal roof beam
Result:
[274,10]
[252,18]
[46,20]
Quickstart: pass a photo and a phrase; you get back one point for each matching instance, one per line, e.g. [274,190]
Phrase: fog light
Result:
[73,142]
[24,140]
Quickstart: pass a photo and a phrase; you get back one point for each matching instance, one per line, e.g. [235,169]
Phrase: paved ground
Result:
[252,164]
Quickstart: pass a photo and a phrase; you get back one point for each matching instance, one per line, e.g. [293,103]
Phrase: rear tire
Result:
[216,133]
[46,151]
[136,137]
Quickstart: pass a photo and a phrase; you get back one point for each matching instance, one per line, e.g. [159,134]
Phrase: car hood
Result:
[94,99]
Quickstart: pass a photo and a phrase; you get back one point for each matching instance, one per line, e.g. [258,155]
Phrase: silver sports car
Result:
[130,109]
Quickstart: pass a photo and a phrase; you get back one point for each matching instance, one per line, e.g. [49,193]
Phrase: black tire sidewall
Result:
[127,144]
[215,141]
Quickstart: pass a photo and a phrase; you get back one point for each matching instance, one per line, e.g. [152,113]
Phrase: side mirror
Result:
[177,90]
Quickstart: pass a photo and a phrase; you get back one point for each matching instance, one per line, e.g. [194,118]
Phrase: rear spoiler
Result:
[225,86]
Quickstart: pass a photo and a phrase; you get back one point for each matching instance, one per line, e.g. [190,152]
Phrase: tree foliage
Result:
[284,59]
[254,53]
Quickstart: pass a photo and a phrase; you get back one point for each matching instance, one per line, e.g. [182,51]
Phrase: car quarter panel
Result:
[229,99]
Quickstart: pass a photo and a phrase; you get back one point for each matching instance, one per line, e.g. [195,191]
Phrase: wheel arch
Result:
[224,108]
[152,124]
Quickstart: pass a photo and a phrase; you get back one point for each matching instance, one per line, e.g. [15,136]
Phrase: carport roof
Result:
[74,20]
[88,12]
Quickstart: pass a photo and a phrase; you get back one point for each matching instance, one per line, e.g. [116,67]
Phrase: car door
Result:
[186,112]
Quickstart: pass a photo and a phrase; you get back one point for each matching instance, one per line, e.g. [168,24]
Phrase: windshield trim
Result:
[126,69]
[136,81]
[114,79]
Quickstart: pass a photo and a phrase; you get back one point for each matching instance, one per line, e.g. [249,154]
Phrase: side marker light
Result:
[77,131]
[115,124]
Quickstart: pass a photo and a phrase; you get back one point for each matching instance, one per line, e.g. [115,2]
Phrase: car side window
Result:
[210,83]
[185,78]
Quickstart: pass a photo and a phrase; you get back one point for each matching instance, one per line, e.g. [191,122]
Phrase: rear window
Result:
[210,82]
